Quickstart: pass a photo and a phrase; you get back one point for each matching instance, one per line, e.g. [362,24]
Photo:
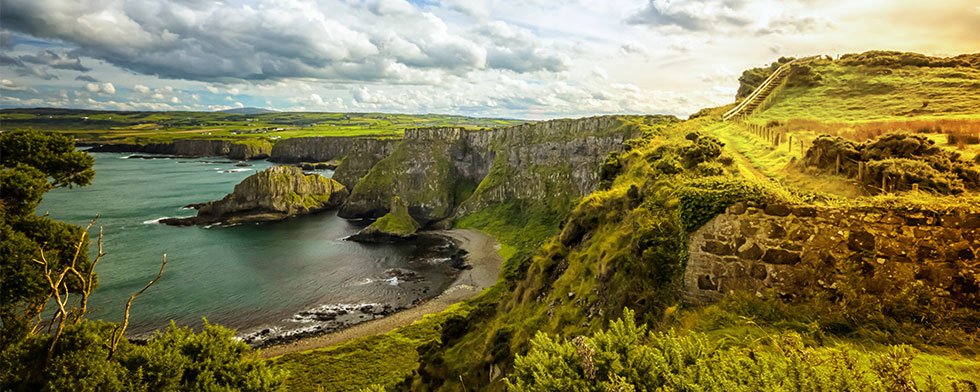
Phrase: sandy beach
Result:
[481,255]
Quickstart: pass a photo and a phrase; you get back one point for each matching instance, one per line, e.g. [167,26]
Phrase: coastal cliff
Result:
[357,155]
[272,194]
[194,148]
[448,172]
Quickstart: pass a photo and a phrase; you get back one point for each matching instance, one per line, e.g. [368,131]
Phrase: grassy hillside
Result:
[546,325]
[157,127]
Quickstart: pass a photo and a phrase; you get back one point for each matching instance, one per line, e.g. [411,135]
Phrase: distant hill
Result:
[248,111]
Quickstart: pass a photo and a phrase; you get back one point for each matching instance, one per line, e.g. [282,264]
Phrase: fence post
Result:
[915,188]
[790,144]
[861,171]
[884,183]
[837,165]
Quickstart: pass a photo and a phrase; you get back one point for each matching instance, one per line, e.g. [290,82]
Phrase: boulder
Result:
[272,194]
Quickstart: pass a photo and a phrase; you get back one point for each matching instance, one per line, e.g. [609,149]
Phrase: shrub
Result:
[703,198]
[626,357]
[703,149]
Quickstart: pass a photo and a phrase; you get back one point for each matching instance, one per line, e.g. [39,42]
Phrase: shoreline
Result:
[485,265]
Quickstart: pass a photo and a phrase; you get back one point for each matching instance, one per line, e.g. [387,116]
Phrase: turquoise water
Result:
[248,277]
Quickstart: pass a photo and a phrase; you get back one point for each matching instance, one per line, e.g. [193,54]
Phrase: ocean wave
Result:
[157,220]
[235,170]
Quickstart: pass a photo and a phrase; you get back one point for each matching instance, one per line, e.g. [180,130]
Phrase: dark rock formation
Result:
[272,194]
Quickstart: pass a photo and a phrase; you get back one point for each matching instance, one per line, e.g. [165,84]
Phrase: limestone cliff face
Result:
[357,155]
[194,148]
[447,172]
[272,194]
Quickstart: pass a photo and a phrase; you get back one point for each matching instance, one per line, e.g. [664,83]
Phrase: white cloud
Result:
[213,90]
[141,89]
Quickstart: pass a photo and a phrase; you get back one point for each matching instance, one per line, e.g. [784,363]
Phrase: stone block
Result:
[758,271]
[750,251]
[780,256]
[775,231]
[805,212]
[861,241]
[717,248]
[705,282]
[777,210]
[737,208]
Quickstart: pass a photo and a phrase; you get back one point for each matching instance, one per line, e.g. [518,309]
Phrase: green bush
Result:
[626,357]
[703,198]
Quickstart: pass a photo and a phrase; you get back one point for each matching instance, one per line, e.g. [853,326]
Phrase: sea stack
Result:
[273,194]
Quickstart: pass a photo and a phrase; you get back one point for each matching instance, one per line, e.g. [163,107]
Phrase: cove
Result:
[297,275]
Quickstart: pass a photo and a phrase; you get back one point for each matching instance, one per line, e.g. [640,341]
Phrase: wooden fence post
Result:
[837,165]
[790,144]
[915,188]
[861,171]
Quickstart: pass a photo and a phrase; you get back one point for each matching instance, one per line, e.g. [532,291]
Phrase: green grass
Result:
[161,127]
[384,359]
[397,221]
[867,93]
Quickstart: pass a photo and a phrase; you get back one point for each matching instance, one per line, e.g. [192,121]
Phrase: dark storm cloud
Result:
[56,60]
[22,69]
[379,40]
[86,78]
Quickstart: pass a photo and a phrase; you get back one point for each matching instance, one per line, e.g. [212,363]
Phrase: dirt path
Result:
[482,256]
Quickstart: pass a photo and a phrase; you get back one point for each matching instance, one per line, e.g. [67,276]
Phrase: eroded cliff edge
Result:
[442,173]
[272,194]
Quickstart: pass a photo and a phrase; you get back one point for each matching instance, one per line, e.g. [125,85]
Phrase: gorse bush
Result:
[174,360]
[627,357]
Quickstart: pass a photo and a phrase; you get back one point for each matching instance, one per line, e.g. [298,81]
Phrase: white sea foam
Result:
[235,170]
[157,220]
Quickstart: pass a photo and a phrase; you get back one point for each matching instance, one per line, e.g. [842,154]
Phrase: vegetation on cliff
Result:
[272,194]
[625,246]
[396,225]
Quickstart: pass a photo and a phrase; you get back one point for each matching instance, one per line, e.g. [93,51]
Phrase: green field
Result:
[161,127]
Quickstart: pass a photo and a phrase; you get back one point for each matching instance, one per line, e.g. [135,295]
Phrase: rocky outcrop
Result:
[357,155]
[447,172]
[272,194]
[194,148]
[878,251]
[252,150]
[395,226]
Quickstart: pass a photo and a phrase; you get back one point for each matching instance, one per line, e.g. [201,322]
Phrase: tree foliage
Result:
[42,259]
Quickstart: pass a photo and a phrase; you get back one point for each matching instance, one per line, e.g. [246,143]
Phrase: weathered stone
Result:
[971,223]
[805,212]
[747,229]
[927,252]
[750,251]
[775,231]
[737,208]
[706,283]
[758,271]
[717,248]
[780,256]
[777,210]
[861,241]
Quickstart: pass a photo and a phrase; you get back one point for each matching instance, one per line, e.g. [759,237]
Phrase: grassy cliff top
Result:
[880,86]
[161,127]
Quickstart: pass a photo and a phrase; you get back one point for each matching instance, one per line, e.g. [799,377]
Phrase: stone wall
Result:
[791,248]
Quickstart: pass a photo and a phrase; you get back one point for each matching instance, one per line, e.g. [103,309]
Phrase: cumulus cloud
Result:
[518,49]
[377,40]
[692,15]
[141,89]
[103,88]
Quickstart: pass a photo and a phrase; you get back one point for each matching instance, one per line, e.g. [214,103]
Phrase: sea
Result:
[268,281]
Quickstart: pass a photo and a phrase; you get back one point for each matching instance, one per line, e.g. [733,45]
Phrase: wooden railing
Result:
[762,92]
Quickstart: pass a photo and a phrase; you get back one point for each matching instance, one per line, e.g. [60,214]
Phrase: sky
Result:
[529,59]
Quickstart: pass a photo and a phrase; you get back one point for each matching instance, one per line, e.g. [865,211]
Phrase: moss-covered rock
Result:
[396,225]
[272,194]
